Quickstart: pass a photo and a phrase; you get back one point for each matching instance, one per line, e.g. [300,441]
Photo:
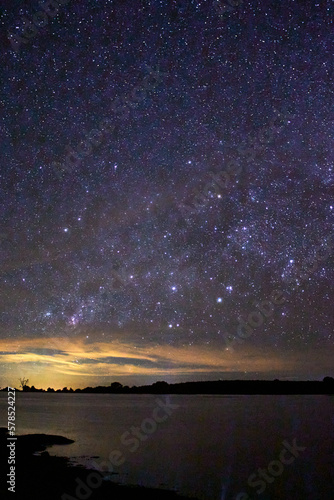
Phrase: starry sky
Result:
[121,257]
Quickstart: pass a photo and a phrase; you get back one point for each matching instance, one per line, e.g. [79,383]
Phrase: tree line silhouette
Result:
[326,386]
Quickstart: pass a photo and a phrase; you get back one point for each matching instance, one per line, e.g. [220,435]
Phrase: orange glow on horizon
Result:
[64,362]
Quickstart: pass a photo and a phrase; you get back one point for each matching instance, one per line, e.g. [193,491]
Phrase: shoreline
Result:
[55,478]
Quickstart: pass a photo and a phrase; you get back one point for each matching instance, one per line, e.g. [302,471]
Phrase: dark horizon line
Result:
[220,386]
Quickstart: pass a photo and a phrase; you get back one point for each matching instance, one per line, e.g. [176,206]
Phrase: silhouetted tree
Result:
[160,387]
[23,383]
[115,386]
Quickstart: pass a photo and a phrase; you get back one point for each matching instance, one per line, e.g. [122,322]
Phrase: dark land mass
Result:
[43,477]
[209,387]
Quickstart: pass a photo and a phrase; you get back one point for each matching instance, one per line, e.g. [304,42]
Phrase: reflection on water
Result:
[208,447]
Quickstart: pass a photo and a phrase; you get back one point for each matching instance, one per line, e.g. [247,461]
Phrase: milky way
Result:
[115,119]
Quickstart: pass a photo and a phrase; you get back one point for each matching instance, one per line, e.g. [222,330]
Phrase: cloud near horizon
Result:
[77,363]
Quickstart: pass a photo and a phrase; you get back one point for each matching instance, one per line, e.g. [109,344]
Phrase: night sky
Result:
[121,256]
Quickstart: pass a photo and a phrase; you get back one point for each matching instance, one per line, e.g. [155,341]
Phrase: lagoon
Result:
[211,447]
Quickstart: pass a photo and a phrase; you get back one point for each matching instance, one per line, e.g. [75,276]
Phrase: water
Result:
[207,447]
